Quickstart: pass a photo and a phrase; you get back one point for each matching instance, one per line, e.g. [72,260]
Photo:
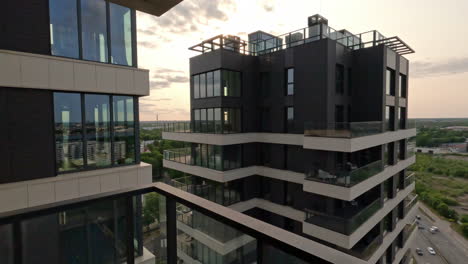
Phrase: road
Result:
[448,246]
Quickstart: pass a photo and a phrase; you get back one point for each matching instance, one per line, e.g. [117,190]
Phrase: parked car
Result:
[419,251]
[432,230]
[420,227]
[418,217]
[435,228]
[431,251]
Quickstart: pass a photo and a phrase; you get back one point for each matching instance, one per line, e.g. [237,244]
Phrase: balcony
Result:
[410,202]
[345,222]
[409,179]
[180,155]
[346,178]
[343,129]
[178,127]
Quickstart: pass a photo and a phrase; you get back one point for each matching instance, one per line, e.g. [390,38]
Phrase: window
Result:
[107,32]
[217,120]
[98,139]
[99,147]
[390,82]
[121,35]
[389,118]
[402,122]
[94,30]
[217,157]
[124,130]
[216,83]
[339,114]
[339,79]
[202,85]
[350,82]
[196,86]
[68,131]
[64,28]
[403,90]
[289,118]
[290,81]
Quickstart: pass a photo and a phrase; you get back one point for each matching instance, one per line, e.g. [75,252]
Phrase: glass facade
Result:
[290,81]
[390,118]
[107,32]
[64,28]
[217,157]
[102,131]
[403,90]
[98,138]
[217,120]
[217,83]
[121,34]
[68,131]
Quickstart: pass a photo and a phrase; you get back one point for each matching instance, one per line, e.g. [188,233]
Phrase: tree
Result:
[150,209]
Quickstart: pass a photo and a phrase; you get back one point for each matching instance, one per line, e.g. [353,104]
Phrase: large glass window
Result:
[98,139]
[403,90]
[124,130]
[217,157]
[94,42]
[290,81]
[64,28]
[196,86]
[121,34]
[216,83]
[289,118]
[68,131]
[339,79]
[94,30]
[390,118]
[390,82]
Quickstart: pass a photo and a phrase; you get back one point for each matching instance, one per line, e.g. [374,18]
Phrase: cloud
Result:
[188,16]
[148,44]
[423,69]
[162,78]
[157,85]
[144,99]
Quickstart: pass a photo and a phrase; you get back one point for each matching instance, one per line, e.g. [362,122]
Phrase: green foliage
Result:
[464,228]
[464,218]
[433,137]
[150,208]
[440,166]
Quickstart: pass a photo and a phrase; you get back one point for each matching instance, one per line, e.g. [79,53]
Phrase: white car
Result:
[431,251]
[432,230]
[435,228]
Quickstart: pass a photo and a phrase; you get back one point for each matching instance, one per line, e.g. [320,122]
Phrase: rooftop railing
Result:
[343,129]
[345,224]
[302,36]
[343,177]
[181,155]
[181,127]
[409,179]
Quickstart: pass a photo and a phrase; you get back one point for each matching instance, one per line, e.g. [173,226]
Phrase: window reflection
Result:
[68,131]
[290,81]
[124,130]
[217,83]
[217,157]
[121,34]
[97,112]
[94,30]
[63,28]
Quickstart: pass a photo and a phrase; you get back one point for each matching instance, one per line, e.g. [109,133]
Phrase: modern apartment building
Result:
[306,132]
[69,90]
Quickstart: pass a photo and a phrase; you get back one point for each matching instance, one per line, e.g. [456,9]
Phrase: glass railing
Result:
[410,123]
[407,231]
[367,250]
[409,179]
[410,201]
[345,178]
[342,224]
[181,155]
[410,152]
[343,129]
[180,127]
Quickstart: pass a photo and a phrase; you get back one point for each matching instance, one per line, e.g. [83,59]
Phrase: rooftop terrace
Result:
[262,43]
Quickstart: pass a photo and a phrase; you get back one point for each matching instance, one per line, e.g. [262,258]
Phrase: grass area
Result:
[442,187]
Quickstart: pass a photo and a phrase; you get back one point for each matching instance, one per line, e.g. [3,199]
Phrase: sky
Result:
[436,30]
